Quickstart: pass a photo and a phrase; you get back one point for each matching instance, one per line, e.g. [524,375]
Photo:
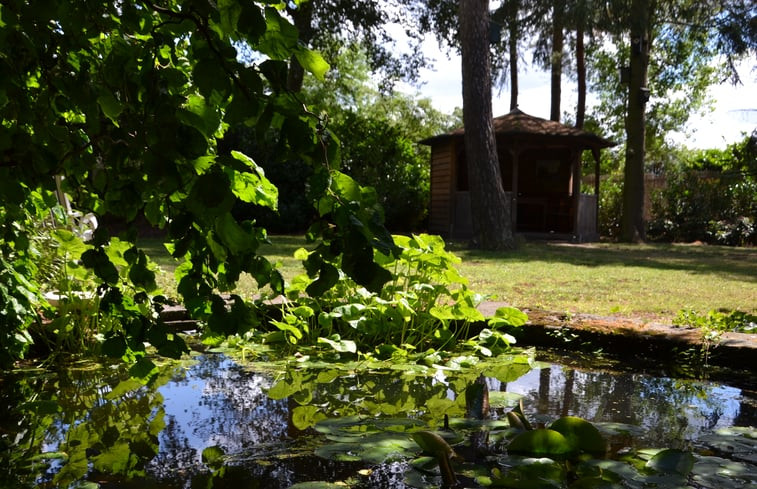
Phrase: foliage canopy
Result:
[130,103]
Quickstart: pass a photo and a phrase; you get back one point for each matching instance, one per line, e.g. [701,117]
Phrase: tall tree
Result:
[492,223]
[580,16]
[556,58]
[507,16]
[328,25]
[632,221]
[512,47]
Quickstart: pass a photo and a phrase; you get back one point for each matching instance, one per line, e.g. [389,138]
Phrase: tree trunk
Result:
[581,76]
[512,44]
[558,38]
[302,17]
[632,220]
[490,208]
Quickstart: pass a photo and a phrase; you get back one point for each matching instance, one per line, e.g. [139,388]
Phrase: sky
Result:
[725,125]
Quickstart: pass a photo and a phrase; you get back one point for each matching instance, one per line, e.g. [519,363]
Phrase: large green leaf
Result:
[110,106]
[253,186]
[542,442]
[230,11]
[236,239]
[581,434]
[338,344]
[313,62]
[198,114]
[672,461]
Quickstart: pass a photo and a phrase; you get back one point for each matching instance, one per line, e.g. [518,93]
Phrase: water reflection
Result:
[671,412]
[215,403]
[260,420]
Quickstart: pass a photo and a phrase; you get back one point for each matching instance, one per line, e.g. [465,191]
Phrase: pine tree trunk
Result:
[632,220]
[581,76]
[558,40]
[512,44]
[490,209]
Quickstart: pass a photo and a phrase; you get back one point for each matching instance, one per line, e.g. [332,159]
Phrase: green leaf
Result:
[198,114]
[114,347]
[313,62]
[233,235]
[143,369]
[508,316]
[282,389]
[208,75]
[253,186]
[672,461]
[581,434]
[328,276]
[230,11]
[541,442]
[110,106]
[338,344]
[213,456]
[210,195]
[317,485]
[304,417]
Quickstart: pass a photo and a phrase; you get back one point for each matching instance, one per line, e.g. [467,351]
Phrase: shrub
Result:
[709,197]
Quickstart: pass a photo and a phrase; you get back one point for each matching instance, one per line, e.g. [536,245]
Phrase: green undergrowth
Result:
[426,307]
[717,321]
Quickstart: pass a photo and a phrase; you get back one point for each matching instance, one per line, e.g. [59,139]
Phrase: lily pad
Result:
[738,443]
[581,434]
[528,473]
[672,461]
[374,448]
[499,399]
[542,442]
[722,473]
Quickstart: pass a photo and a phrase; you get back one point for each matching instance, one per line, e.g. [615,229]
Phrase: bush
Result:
[610,206]
[711,197]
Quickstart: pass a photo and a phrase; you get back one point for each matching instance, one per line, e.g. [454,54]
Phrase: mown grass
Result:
[648,281]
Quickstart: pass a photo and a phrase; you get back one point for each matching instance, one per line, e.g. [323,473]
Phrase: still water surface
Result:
[261,418]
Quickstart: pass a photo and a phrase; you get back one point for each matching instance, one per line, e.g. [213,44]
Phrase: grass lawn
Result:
[649,281]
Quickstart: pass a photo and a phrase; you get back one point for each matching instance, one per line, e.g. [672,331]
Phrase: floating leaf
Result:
[581,434]
[213,456]
[338,344]
[499,399]
[304,417]
[672,461]
[541,442]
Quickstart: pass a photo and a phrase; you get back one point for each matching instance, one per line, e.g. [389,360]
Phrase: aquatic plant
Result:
[426,306]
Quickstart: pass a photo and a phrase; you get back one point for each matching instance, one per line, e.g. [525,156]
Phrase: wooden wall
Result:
[442,181]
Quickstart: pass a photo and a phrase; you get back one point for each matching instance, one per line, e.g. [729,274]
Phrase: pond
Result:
[219,422]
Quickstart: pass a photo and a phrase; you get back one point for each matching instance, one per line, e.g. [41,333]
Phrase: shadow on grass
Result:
[739,263]
[736,263]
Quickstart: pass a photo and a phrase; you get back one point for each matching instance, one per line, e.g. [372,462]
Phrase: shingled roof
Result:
[517,123]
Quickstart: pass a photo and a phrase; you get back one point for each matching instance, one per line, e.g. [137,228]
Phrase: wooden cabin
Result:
[540,163]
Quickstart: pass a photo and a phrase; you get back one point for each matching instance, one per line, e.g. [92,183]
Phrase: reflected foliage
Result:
[217,422]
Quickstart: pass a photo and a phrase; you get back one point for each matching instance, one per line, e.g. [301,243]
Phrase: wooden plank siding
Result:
[441,189]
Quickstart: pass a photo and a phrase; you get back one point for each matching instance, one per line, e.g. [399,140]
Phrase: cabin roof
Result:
[518,124]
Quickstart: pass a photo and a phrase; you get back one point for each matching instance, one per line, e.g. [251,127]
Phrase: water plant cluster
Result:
[425,308]
[356,423]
